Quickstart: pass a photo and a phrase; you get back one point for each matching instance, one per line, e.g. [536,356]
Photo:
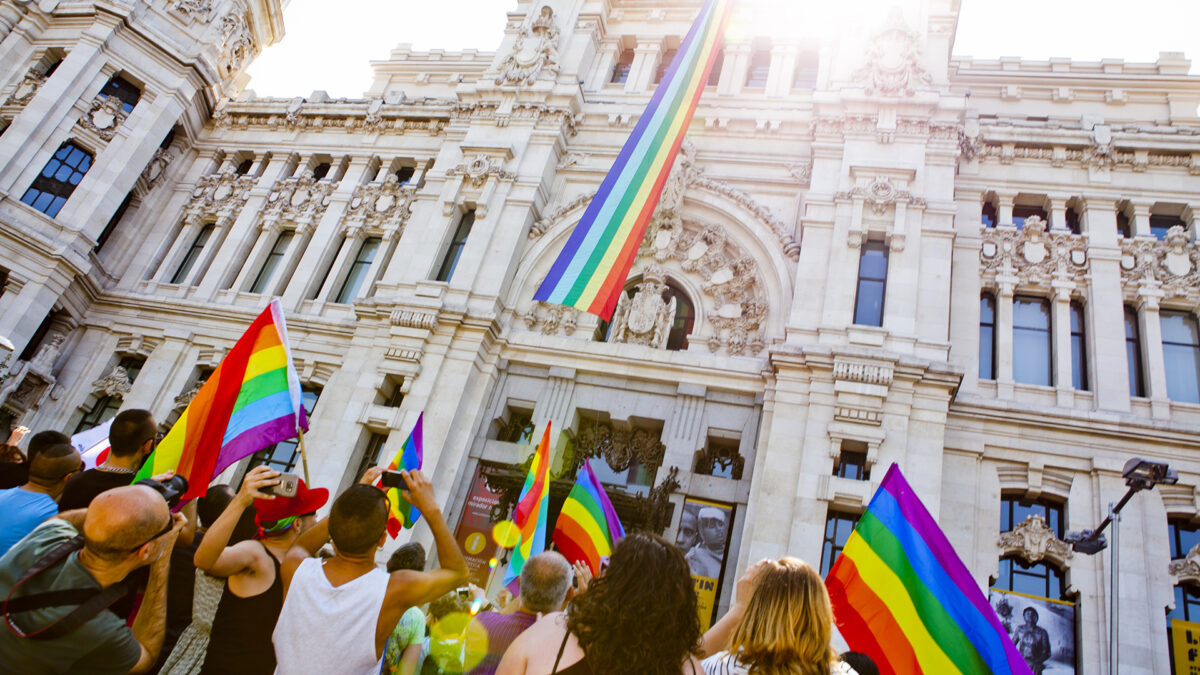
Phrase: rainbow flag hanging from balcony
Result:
[252,400]
[532,508]
[902,596]
[588,528]
[590,272]
[401,514]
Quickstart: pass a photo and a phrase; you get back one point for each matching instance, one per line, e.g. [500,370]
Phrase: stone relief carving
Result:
[571,159]
[477,170]
[237,46]
[220,195]
[619,447]
[181,401]
[385,206]
[1172,265]
[554,214]
[103,117]
[350,116]
[47,355]
[802,172]
[646,318]
[157,166]
[551,319]
[1188,568]
[27,87]
[881,194]
[1032,255]
[535,52]
[198,9]
[893,65]
[1034,541]
[299,199]
[115,383]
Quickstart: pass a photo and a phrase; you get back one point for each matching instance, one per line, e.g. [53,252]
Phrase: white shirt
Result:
[724,663]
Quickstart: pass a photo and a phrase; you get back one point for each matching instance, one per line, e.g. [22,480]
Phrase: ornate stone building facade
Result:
[868,252]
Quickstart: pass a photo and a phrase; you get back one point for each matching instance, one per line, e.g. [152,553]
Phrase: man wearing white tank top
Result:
[337,613]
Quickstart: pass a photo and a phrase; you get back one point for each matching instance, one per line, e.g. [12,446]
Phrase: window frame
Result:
[357,273]
[1178,396]
[193,253]
[270,264]
[1049,342]
[830,548]
[1079,355]
[867,248]
[987,297]
[1133,353]
[49,183]
[128,93]
[454,251]
[266,456]
[622,67]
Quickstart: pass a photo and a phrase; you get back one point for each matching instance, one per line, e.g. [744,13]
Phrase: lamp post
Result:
[1139,474]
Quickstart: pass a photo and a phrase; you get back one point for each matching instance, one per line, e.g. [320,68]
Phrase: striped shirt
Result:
[724,663]
[501,629]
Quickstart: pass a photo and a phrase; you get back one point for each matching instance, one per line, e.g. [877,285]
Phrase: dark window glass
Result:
[358,270]
[1181,356]
[1160,225]
[1031,341]
[685,319]
[760,67]
[405,173]
[52,67]
[852,462]
[1014,511]
[456,246]
[124,90]
[272,262]
[872,278]
[1133,353]
[637,479]
[519,428]
[56,182]
[35,342]
[989,214]
[113,222]
[396,399]
[244,167]
[1124,227]
[104,409]
[621,68]
[663,64]
[371,453]
[321,170]
[714,75]
[1079,374]
[193,254]
[987,337]
[1183,535]
[805,75]
[169,138]
[838,527]
[316,290]
[1073,221]
[1020,213]
[284,455]
[1041,579]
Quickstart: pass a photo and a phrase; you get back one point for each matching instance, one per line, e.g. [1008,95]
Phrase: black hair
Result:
[410,556]
[358,519]
[861,663]
[44,439]
[130,430]
[52,463]
[210,506]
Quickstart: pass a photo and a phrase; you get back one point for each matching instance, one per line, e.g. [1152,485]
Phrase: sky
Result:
[329,45]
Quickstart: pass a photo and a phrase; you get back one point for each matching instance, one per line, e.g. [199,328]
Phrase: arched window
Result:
[685,318]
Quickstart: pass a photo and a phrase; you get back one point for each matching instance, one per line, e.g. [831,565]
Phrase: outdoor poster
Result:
[704,538]
[474,533]
[1185,647]
[1042,629]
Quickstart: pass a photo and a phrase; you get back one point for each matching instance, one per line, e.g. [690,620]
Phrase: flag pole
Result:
[303,455]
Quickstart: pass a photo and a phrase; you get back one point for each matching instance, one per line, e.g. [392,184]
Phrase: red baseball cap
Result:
[306,501]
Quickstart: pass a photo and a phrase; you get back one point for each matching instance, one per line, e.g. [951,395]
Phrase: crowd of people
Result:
[99,575]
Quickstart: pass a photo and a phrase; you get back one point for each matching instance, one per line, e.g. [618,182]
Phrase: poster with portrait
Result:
[704,539]
[1042,629]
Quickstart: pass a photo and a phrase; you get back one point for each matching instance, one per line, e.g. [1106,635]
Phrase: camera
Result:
[289,484]
[171,489]
[392,479]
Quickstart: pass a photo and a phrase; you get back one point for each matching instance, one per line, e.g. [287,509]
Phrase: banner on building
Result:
[474,533]
[1042,629]
[1185,647]
[704,539]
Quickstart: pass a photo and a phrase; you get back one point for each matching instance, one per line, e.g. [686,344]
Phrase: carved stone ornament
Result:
[881,194]
[534,54]
[893,66]
[26,88]
[619,447]
[104,116]
[47,355]
[1032,255]
[182,400]
[237,43]
[802,172]
[198,9]
[1173,265]
[646,318]
[1034,541]
[300,199]
[384,206]
[220,195]
[551,319]
[157,166]
[478,170]
[115,383]
[1186,569]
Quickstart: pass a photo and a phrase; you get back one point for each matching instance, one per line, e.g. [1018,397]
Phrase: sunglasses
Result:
[168,528]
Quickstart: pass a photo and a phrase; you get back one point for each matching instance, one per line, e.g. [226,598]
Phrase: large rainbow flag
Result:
[401,514]
[251,401]
[590,272]
[588,528]
[903,597]
[530,517]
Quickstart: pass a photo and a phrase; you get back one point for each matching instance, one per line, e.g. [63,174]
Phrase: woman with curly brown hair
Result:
[639,616]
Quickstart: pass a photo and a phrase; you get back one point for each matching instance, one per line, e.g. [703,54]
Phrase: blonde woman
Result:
[780,624]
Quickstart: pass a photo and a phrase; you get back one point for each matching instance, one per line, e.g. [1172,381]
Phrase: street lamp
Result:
[1139,474]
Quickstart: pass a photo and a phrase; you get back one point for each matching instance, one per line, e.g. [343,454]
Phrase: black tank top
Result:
[242,628]
[580,667]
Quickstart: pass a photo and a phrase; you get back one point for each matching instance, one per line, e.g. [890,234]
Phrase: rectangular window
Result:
[663,64]
[193,254]
[274,258]
[987,337]
[1181,356]
[456,246]
[405,174]
[1124,227]
[1020,213]
[127,92]
[988,218]
[1073,221]
[760,67]
[1184,537]
[358,270]
[621,68]
[106,407]
[872,278]
[805,74]
[1014,510]
[838,527]
[1079,374]
[371,453]
[1031,341]
[1133,353]
[284,455]
[54,185]
[320,171]
[1160,225]
[852,461]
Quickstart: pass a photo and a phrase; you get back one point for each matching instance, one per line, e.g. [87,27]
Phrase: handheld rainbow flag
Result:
[530,517]
[589,273]
[251,400]
[588,528]
[401,514]
[903,597]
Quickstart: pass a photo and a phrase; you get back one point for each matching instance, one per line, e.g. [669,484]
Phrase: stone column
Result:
[1058,212]
[1004,207]
[645,63]
[192,225]
[337,271]
[555,405]
[902,286]
[1152,351]
[684,432]
[148,391]
[605,59]
[1141,218]
[733,70]
[1004,336]
[783,70]
[1105,307]
[268,233]
[1060,330]
[24,313]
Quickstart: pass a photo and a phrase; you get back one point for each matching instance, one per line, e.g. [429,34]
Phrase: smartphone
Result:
[392,479]
[289,484]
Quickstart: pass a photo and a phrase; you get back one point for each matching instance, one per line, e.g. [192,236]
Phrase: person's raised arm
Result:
[151,622]
[312,539]
[214,556]
[421,587]
[718,636]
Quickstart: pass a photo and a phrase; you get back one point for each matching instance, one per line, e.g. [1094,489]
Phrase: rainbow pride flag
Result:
[903,597]
[401,514]
[252,400]
[590,272]
[588,527]
[530,517]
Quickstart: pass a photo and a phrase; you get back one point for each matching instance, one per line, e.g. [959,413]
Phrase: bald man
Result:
[26,507]
[124,529]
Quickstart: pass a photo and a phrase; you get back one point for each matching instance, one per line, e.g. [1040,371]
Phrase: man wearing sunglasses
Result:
[124,529]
